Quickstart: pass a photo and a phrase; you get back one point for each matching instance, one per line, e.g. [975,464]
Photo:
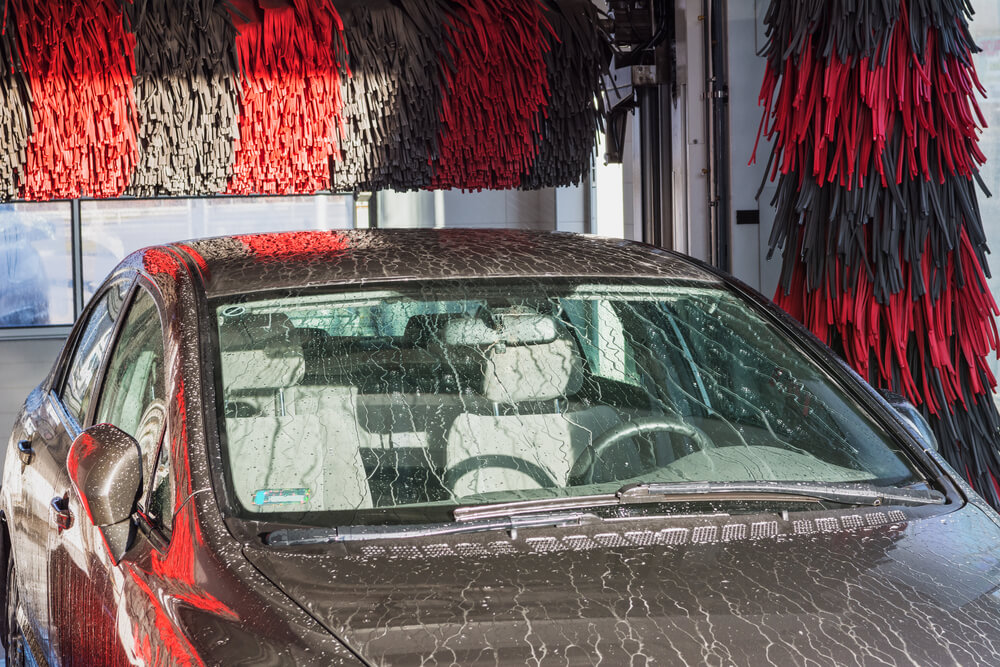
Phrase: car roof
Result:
[262,262]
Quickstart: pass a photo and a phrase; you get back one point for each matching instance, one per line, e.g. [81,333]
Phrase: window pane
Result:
[89,353]
[133,395]
[161,500]
[135,374]
[35,264]
[111,229]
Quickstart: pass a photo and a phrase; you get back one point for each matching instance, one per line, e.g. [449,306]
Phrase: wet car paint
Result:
[845,588]
[913,587]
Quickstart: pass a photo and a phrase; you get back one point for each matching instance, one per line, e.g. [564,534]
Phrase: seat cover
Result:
[296,463]
[532,436]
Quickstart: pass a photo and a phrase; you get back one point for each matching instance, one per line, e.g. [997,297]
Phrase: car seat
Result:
[520,429]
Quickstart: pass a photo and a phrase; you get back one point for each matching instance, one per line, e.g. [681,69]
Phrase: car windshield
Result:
[393,405]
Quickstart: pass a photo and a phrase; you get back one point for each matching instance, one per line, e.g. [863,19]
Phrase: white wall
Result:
[563,209]
[23,364]
[746,72]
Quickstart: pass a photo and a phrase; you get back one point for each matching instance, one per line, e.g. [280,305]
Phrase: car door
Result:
[85,583]
[51,421]
[48,430]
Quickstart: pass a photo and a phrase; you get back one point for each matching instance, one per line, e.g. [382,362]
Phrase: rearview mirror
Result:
[913,418]
[105,467]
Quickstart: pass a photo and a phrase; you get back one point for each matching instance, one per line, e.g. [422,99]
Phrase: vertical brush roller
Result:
[291,59]
[78,57]
[871,107]
[187,96]
[15,109]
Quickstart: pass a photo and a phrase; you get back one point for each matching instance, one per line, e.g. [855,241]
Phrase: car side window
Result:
[133,395]
[78,387]
[161,500]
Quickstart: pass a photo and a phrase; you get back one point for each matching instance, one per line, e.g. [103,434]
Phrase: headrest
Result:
[251,331]
[527,356]
[315,342]
[270,368]
[540,372]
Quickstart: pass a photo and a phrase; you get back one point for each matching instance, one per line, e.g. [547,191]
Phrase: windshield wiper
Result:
[558,512]
[686,492]
[303,536]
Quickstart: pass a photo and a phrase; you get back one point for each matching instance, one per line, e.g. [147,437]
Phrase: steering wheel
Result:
[583,468]
[537,473]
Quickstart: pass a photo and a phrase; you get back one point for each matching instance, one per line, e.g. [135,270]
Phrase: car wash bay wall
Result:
[23,364]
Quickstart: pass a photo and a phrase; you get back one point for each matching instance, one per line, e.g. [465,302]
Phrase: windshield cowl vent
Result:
[706,534]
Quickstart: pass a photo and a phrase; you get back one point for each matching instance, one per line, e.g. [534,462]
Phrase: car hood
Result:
[885,586]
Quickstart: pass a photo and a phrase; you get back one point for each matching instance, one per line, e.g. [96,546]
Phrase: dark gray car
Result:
[460,447]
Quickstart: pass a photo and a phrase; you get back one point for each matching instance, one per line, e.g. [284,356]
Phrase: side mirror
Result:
[913,418]
[105,466]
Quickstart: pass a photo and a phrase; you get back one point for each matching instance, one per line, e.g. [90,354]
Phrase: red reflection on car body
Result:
[296,243]
[179,650]
[178,564]
[196,256]
[158,261]
[176,569]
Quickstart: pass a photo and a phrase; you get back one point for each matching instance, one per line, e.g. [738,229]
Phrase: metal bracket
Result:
[644,75]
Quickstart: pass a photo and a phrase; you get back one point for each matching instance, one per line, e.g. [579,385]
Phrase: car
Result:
[404,447]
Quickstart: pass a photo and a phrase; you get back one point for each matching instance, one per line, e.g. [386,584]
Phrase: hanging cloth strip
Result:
[495,90]
[872,110]
[291,59]
[15,109]
[78,57]
[187,96]
[393,95]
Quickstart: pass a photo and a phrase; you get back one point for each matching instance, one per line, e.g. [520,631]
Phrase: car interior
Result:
[498,402]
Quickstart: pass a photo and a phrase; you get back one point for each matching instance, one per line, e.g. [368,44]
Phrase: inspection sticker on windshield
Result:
[272,496]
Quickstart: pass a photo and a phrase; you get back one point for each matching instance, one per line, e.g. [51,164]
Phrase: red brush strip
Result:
[79,61]
[499,84]
[964,317]
[818,101]
[175,647]
[290,106]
